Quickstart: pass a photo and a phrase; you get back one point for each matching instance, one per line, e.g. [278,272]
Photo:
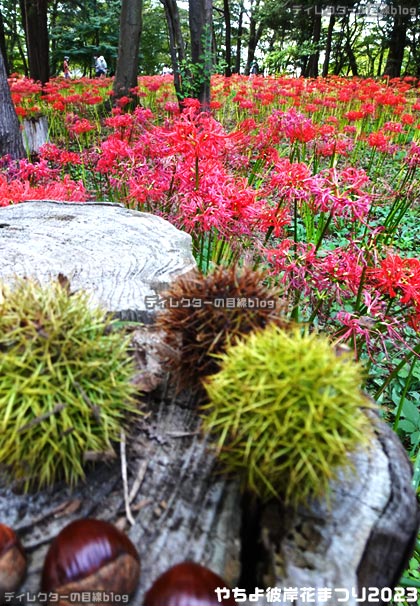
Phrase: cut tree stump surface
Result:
[181,508]
[124,258]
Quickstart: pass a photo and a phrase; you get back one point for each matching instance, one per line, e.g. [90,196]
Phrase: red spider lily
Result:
[332,146]
[400,277]
[26,86]
[93,100]
[123,101]
[69,157]
[291,180]
[16,98]
[273,220]
[407,118]
[247,125]
[241,185]
[120,121]
[172,107]
[21,111]
[197,135]
[393,127]
[355,328]
[50,152]
[59,106]
[354,115]
[248,104]
[75,99]
[326,130]
[379,141]
[368,109]
[115,153]
[152,83]
[298,127]
[390,98]
[412,158]
[18,190]
[38,172]
[342,193]
[341,270]
[81,126]
[349,129]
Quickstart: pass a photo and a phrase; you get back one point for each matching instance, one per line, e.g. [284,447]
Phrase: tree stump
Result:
[180,507]
[35,133]
[360,539]
[124,258]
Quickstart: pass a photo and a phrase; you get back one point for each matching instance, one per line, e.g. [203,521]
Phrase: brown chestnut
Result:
[188,584]
[12,560]
[91,555]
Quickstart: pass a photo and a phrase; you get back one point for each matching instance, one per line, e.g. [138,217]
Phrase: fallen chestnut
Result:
[91,555]
[188,584]
[12,560]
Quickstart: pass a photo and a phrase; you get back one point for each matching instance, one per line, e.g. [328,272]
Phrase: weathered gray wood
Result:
[35,133]
[183,509]
[361,539]
[120,256]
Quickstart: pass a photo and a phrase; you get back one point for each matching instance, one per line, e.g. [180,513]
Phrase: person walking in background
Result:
[101,66]
[253,70]
[66,67]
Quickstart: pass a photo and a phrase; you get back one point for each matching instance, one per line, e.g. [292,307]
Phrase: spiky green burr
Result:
[65,382]
[285,412]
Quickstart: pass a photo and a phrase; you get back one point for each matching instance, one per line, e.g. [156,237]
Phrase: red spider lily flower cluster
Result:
[283,171]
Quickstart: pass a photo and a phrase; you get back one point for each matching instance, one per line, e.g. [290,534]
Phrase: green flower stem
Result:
[392,375]
[403,394]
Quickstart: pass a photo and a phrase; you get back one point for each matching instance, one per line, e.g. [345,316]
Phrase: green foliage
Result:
[82,31]
[154,47]
[411,577]
[196,74]
[286,411]
[193,76]
[65,384]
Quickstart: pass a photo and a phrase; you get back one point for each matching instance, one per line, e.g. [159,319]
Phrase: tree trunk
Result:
[252,39]
[34,19]
[10,136]
[338,53]
[312,68]
[381,59]
[128,49]
[200,22]
[352,59]
[328,46]
[228,38]
[239,40]
[176,43]
[3,49]
[54,12]
[396,47]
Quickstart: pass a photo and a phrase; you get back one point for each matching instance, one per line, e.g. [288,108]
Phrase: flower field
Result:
[314,181]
